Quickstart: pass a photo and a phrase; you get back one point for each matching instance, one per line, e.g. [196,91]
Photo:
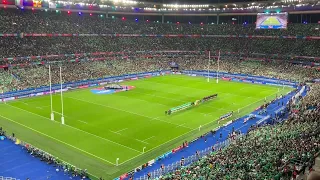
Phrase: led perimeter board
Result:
[272,20]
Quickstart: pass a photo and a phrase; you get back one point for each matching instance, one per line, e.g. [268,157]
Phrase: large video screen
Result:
[272,20]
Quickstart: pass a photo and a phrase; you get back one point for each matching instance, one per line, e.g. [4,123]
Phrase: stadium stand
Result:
[34,76]
[51,22]
[281,150]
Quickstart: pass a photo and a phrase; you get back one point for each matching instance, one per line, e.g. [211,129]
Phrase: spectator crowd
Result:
[27,21]
[19,78]
[279,151]
[40,46]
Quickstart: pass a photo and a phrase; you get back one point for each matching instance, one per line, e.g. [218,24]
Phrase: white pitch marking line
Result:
[56,139]
[125,111]
[168,141]
[115,132]
[121,130]
[57,112]
[25,103]
[149,138]
[82,121]
[181,125]
[141,141]
[177,99]
[67,116]
[78,129]
[39,107]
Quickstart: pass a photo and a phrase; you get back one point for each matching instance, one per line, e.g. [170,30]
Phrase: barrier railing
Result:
[189,160]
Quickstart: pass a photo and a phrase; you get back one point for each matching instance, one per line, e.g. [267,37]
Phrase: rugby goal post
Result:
[50,85]
[218,67]
[208,80]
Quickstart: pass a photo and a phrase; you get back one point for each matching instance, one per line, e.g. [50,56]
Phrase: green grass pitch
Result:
[101,128]
[271,21]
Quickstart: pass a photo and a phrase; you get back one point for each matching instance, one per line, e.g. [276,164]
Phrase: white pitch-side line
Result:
[79,130]
[67,116]
[149,138]
[181,125]
[254,102]
[258,100]
[144,100]
[141,141]
[82,121]
[169,141]
[126,111]
[57,112]
[196,129]
[219,92]
[25,103]
[56,139]
[180,100]
[122,130]
[115,132]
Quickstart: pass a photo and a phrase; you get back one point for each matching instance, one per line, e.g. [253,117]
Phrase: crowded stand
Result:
[26,21]
[37,75]
[67,45]
[281,151]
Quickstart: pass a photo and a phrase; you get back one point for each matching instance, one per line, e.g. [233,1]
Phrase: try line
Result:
[56,139]
[78,129]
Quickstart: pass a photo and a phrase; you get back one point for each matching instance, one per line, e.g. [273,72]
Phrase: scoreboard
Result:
[272,21]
